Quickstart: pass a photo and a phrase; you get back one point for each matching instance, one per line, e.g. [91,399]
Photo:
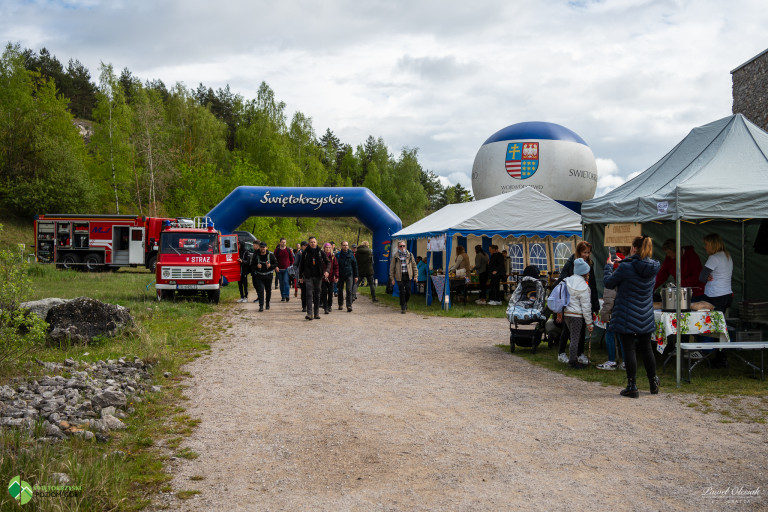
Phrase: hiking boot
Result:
[631,390]
[583,359]
[267,306]
[341,307]
[287,299]
[308,317]
[261,308]
[327,311]
[375,299]
[608,365]
[317,317]
[655,383]
[349,309]
[563,358]
[282,299]
[304,309]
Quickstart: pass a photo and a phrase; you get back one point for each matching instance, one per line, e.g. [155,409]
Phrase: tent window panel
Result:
[538,256]
[562,253]
[516,257]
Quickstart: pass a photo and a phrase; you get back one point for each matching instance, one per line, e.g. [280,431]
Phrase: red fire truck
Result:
[98,242]
[196,259]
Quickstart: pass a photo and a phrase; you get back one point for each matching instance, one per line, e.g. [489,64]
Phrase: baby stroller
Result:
[525,309]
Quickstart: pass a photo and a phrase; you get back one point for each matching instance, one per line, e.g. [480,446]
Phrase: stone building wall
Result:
[750,90]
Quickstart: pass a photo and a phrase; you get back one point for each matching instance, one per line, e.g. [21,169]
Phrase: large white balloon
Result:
[546,156]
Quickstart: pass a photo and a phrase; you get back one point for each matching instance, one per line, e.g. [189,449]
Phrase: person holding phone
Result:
[632,318]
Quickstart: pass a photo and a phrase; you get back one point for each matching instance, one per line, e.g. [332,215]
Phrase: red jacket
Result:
[333,275]
[690,268]
[284,257]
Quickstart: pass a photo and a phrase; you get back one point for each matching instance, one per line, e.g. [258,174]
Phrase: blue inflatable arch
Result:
[245,202]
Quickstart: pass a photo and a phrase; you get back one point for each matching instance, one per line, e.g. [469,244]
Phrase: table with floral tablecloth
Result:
[693,322]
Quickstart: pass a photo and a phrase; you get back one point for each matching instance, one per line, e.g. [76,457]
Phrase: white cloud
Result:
[632,77]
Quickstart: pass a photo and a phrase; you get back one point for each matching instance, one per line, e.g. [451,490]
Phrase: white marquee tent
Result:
[521,213]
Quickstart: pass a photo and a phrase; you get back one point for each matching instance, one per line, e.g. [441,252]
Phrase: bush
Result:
[20,331]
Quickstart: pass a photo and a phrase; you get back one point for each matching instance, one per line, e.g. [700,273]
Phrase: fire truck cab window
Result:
[187,243]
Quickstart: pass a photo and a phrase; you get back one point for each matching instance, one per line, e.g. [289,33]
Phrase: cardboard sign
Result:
[621,235]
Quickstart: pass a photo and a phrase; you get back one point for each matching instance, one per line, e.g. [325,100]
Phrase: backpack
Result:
[559,298]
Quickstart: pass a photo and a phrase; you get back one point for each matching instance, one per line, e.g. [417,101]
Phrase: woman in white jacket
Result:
[579,306]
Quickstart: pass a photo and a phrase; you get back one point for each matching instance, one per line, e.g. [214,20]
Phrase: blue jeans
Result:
[610,344]
[285,287]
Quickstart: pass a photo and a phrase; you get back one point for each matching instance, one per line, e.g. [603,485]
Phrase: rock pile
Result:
[90,402]
[82,319]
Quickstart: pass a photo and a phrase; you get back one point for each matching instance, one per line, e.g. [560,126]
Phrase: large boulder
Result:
[82,319]
[42,306]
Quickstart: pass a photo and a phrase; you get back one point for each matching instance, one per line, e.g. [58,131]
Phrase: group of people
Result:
[491,268]
[321,273]
[628,310]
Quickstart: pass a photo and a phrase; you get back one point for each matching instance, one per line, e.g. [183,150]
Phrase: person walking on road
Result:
[347,274]
[403,270]
[284,257]
[263,267]
[299,283]
[244,257]
[326,293]
[364,257]
[314,267]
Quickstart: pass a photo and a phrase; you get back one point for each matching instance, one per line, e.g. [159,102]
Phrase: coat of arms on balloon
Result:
[545,156]
[522,159]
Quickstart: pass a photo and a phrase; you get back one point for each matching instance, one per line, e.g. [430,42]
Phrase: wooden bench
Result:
[735,346]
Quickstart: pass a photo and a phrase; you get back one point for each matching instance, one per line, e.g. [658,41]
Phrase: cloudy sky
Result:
[632,77]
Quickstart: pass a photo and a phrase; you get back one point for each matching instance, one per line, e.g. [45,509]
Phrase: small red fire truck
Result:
[195,259]
[98,242]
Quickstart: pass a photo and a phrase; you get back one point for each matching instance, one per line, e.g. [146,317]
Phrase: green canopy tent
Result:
[714,180]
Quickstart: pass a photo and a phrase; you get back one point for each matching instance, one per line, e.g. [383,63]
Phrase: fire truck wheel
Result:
[164,295]
[69,261]
[92,262]
[152,263]
[214,295]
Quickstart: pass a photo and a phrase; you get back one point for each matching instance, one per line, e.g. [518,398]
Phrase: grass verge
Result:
[125,472]
[417,305]
[732,392]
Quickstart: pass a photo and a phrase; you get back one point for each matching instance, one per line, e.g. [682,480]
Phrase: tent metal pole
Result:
[678,294]
[428,291]
[743,262]
[448,247]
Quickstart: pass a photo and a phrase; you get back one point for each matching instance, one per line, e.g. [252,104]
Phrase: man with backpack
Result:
[364,257]
[314,266]
[347,274]
[284,257]
[244,257]
[263,265]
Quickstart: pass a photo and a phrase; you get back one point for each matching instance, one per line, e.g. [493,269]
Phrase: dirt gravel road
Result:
[377,411]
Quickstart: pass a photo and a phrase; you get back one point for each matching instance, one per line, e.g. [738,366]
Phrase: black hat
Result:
[262,244]
[354,246]
[304,243]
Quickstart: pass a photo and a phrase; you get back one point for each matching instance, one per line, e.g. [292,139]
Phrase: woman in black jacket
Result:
[584,251]
[632,317]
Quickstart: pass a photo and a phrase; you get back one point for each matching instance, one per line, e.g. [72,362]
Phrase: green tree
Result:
[150,142]
[111,134]
[77,86]
[20,331]
[433,188]
[42,156]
